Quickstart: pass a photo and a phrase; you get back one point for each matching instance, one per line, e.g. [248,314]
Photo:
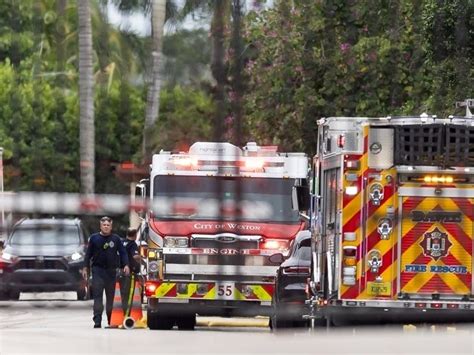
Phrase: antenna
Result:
[468,104]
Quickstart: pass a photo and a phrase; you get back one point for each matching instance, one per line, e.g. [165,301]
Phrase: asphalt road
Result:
[61,326]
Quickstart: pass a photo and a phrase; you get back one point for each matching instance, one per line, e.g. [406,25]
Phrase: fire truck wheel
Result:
[186,322]
[159,322]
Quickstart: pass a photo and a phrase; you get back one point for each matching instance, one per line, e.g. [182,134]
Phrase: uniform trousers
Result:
[103,280]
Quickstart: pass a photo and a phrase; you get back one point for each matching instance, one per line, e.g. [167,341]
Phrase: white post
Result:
[2,222]
[134,220]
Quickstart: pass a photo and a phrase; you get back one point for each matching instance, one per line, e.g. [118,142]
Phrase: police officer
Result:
[105,253]
[134,259]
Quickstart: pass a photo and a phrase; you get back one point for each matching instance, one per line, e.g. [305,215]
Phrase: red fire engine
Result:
[216,213]
[392,218]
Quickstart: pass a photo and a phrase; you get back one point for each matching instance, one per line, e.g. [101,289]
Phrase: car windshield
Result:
[215,198]
[45,235]
[304,250]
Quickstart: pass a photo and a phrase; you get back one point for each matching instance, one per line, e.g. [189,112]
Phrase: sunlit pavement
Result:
[62,326]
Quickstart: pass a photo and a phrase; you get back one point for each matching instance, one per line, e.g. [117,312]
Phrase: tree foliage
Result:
[356,58]
[186,117]
[39,108]
[38,132]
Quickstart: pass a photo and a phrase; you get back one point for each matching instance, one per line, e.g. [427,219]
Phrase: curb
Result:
[232,322]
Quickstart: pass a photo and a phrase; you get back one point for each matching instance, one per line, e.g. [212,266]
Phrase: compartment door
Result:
[436,246]
[331,204]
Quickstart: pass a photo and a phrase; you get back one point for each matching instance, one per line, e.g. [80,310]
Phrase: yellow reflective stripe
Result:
[418,281]
[461,255]
[163,289]
[408,224]
[415,249]
[211,294]
[467,223]
[454,283]
[238,296]
[356,203]
[261,293]
[352,208]
[258,290]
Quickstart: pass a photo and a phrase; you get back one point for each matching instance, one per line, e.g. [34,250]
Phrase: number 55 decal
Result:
[225,291]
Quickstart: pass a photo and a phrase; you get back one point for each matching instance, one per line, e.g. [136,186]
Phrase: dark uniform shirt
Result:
[132,249]
[106,252]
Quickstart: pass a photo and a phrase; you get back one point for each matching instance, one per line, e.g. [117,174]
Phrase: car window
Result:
[304,250]
[304,253]
[45,235]
[85,235]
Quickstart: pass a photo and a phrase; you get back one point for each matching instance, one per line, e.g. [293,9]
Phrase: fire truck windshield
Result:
[216,198]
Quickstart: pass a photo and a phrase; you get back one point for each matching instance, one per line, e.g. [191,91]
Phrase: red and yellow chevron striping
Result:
[437,252]
[214,291]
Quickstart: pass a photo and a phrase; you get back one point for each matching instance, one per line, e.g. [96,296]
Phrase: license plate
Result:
[379,288]
[225,291]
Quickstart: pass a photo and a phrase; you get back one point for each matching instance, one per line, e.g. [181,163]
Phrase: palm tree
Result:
[237,69]
[86,99]
[161,11]
[220,12]
[158,12]
[60,37]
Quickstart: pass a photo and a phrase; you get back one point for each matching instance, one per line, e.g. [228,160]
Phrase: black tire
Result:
[157,321]
[14,295]
[186,322]
[321,323]
[277,323]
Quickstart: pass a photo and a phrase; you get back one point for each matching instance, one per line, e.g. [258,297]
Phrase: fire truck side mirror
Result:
[142,188]
[300,198]
[140,194]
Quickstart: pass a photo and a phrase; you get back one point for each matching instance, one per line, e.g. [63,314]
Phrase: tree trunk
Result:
[86,99]
[217,65]
[60,37]
[153,95]
[237,84]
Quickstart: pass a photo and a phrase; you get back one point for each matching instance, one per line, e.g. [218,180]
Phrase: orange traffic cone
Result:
[134,313]
[117,316]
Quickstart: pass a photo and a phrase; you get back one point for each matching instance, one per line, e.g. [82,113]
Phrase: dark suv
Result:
[44,255]
[290,296]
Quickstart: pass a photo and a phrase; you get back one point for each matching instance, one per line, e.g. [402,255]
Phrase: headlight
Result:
[75,256]
[176,242]
[7,257]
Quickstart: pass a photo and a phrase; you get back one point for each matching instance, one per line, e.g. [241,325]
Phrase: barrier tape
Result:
[71,203]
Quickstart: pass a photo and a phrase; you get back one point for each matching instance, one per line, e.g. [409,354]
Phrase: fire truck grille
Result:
[219,260]
[435,145]
[460,145]
[419,144]
[205,243]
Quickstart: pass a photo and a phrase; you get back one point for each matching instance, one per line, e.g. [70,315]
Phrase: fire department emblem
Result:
[435,244]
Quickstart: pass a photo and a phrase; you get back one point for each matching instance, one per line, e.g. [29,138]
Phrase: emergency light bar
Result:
[245,164]
[438,179]
[225,159]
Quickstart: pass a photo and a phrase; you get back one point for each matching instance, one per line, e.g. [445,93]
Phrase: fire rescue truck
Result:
[217,212]
[392,218]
